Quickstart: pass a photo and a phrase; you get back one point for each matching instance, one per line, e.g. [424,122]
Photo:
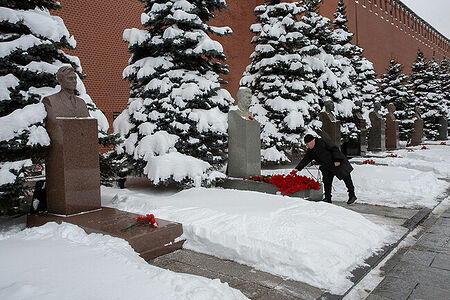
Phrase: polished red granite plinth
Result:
[72,167]
[149,242]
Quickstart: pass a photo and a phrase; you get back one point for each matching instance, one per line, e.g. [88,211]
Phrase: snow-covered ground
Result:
[317,243]
[312,242]
[63,262]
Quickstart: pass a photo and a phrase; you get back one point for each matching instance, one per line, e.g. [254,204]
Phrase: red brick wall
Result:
[385,35]
[98,28]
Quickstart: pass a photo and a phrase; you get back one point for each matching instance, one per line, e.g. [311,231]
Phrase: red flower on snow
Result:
[443,143]
[392,155]
[424,148]
[250,117]
[369,161]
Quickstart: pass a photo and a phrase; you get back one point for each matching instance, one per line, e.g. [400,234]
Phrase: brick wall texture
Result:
[384,28]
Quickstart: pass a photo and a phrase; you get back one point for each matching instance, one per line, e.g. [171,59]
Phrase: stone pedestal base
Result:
[257,186]
[149,242]
[72,167]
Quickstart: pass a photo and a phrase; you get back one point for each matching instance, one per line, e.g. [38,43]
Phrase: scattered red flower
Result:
[424,148]
[148,219]
[369,161]
[410,150]
[443,143]
[392,155]
[250,117]
[288,184]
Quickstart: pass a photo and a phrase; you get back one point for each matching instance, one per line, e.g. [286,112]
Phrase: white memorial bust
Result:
[244,98]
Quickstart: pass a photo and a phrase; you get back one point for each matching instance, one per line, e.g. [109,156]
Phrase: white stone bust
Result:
[244,98]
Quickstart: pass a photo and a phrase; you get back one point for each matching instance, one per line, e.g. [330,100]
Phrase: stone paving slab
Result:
[391,212]
[424,291]
[423,258]
[253,283]
[441,261]
[395,288]
[425,266]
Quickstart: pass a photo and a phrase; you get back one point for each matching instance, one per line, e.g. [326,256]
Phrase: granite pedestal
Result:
[331,128]
[392,134]
[72,167]
[417,134]
[263,187]
[443,129]
[244,146]
[149,242]
[377,134]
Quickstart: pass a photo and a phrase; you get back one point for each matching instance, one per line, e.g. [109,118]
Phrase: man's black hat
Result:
[308,138]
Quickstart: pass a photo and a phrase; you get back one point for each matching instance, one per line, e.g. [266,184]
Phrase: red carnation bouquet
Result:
[289,184]
[149,219]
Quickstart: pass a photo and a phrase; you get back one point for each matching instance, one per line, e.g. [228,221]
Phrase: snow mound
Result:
[53,261]
[6,176]
[177,166]
[21,120]
[316,243]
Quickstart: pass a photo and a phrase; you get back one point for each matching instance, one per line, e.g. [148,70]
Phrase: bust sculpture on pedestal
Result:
[357,147]
[392,129]
[331,128]
[73,178]
[377,132]
[244,143]
[417,134]
[72,165]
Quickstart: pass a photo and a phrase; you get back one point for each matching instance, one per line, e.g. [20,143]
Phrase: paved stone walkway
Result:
[421,271]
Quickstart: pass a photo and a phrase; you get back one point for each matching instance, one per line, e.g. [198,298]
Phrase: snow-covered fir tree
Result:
[31,43]
[444,78]
[394,89]
[281,76]
[336,83]
[175,124]
[428,95]
[365,77]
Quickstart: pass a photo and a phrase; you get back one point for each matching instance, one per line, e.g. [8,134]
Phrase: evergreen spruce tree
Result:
[337,53]
[365,77]
[281,76]
[31,43]
[177,107]
[444,78]
[428,95]
[394,89]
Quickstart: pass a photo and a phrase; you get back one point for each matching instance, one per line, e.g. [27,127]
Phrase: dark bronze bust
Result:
[65,103]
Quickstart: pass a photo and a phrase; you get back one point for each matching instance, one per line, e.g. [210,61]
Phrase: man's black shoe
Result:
[351,199]
[326,200]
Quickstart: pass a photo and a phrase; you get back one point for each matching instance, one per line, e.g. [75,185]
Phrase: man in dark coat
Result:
[332,163]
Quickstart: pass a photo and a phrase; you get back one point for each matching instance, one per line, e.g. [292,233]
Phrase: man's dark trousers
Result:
[328,182]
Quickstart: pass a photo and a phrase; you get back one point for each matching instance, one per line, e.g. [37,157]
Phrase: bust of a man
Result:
[244,98]
[417,113]
[65,103]
[329,109]
[391,110]
[376,110]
